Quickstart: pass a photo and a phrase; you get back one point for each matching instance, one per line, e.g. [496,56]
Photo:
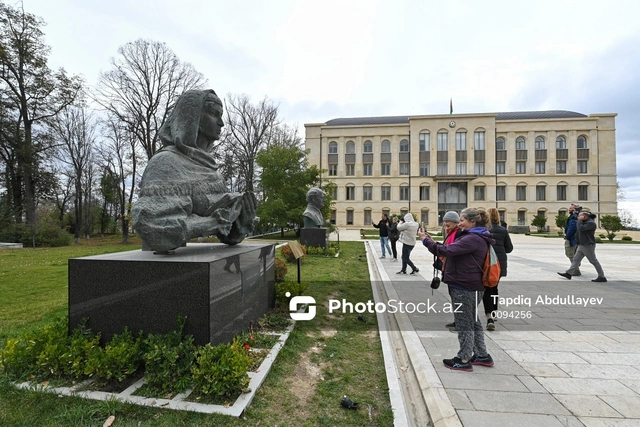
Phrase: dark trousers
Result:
[393,248]
[490,304]
[406,251]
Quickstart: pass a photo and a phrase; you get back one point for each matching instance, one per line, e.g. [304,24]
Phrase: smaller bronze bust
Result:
[313,214]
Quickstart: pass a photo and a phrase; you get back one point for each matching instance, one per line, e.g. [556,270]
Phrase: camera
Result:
[435,283]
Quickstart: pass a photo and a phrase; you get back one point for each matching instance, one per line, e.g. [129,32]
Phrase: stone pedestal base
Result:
[219,288]
[316,237]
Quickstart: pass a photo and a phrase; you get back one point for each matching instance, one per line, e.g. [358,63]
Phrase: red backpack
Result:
[491,269]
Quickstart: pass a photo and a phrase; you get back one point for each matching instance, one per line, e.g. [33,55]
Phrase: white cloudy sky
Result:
[345,58]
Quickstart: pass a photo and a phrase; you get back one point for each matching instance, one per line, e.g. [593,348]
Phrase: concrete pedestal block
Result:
[219,288]
[316,237]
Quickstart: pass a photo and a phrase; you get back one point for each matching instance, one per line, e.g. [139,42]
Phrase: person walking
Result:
[586,239]
[502,247]
[570,244]
[393,237]
[408,229]
[463,274]
[383,226]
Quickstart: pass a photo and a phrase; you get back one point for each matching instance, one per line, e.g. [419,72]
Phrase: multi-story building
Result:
[523,163]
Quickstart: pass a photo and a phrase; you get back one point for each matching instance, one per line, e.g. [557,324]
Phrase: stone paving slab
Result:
[526,403]
[587,406]
[507,419]
[586,386]
[628,406]
[614,372]
[608,422]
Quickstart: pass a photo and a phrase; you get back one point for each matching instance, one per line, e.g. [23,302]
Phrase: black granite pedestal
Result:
[221,289]
[316,237]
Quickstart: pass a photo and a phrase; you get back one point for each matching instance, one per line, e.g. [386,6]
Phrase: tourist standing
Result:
[393,237]
[408,230]
[383,226]
[450,232]
[502,247]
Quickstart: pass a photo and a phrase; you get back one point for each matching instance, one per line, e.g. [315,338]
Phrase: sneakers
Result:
[415,271]
[394,259]
[565,275]
[401,272]
[456,364]
[599,279]
[482,361]
[490,325]
[450,325]
[382,257]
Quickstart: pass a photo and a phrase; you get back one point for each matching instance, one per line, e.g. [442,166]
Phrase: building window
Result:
[561,192]
[500,167]
[333,147]
[424,141]
[561,166]
[367,193]
[478,168]
[333,216]
[351,147]
[583,192]
[351,170]
[539,143]
[424,169]
[542,213]
[404,146]
[385,147]
[404,192]
[442,142]
[478,140]
[350,217]
[385,192]
[521,167]
[500,144]
[351,192]
[461,168]
[385,169]
[367,169]
[443,168]
[541,192]
[367,216]
[582,141]
[478,192]
[424,217]
[404,168]
[334,193]
[521,143]
[541,167]
[424,192]
[333,170]
[561,142]
[367,148]
[461,141]
[521,192]
[582,166]
[501,192]
[522,217]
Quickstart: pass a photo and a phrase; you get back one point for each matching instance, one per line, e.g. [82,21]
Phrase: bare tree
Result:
[146,79]
[74,129]
[31,92]
[249,128]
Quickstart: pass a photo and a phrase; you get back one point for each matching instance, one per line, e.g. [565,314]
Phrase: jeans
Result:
[384,242]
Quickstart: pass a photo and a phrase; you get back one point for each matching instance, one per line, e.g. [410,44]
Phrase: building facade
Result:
[523,163]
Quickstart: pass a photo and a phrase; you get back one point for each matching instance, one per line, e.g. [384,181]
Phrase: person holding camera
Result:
[586,242]
[383,226]
[570,244]
[393,237]
[408,228]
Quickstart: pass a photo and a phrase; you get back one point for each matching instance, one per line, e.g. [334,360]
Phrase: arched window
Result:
[540,143]
[385,147]
[521,143]
[500,144]
[333,147]
[368,147]
[404,146]
[582,141]
[561,142]
[351,147]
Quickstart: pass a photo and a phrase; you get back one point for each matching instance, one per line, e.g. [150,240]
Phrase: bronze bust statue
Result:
[312,216]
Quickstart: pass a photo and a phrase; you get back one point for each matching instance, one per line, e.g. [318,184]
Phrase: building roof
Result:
[512,115]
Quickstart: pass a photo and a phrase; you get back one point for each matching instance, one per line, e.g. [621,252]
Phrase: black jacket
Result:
[384,227]
[502,247]
[393,231]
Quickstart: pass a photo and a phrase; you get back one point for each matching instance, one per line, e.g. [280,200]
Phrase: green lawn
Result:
[324,359]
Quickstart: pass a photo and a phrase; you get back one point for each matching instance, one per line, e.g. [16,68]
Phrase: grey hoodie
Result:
[409,230]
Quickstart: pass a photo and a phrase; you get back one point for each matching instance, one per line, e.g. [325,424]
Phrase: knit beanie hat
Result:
[451,216]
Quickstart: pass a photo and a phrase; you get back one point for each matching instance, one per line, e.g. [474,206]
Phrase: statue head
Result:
[194,123]
[315,198]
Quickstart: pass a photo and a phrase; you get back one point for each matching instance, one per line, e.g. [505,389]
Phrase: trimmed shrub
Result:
[288,254]
[280,270]
[221,371]
[294,289]
[627,238]
[118,360]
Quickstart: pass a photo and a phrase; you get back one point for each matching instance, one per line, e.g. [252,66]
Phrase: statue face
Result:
[211,122]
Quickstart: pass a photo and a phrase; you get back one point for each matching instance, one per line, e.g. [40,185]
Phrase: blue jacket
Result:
[570,233]
[465,258]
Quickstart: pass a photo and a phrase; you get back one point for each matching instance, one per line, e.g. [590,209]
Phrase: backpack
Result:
[491,269]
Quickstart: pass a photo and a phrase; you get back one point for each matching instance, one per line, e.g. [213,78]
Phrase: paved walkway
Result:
[567,353]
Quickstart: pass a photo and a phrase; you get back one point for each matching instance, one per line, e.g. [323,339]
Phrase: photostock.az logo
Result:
[296,302]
